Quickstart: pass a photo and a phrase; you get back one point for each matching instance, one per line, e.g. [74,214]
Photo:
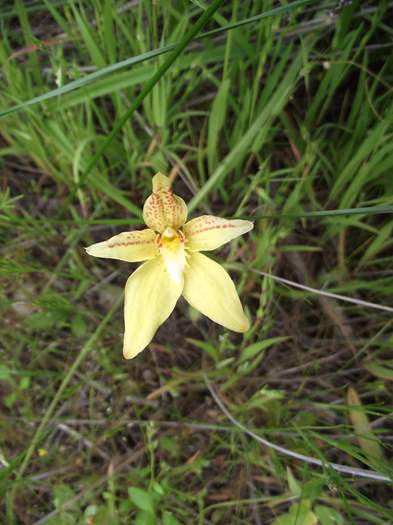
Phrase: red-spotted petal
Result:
[127,246]
[207,232]
[163,209]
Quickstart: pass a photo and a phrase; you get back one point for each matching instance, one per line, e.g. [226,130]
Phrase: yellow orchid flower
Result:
[174,267]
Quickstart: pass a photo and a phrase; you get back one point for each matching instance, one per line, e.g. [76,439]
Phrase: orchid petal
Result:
[209,289]
[127,246]
[150,297]
[207,232]
[163,208]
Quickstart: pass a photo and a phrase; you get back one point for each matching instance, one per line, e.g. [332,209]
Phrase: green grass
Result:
[276,112]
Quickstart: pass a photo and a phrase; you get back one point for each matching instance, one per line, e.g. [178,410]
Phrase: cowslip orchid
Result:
[174,266]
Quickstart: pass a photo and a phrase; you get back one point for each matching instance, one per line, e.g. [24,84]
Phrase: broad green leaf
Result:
[145,518]
[141,499]
[299,514]
[328,516]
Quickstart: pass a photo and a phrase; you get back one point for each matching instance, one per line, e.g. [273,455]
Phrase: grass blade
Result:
[205,17]
[71,86]
[368,210]
[49,412]
[245,144]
